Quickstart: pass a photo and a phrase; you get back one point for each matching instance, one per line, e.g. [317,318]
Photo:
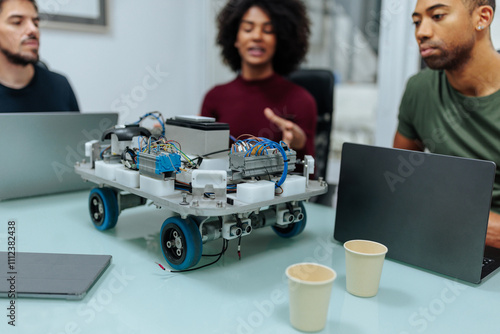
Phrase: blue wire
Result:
[285,167]
[157,118]
[261,147]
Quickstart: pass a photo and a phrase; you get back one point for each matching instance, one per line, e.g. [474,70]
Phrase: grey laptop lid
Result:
[430,210]
[47,275]
[39,150]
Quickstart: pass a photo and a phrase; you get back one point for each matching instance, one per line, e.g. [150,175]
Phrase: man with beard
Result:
[453,107]
[24,85]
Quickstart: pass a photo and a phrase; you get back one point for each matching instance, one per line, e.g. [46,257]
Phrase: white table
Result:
[233,296]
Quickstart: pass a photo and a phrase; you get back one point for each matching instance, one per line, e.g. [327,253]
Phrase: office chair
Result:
[320,84]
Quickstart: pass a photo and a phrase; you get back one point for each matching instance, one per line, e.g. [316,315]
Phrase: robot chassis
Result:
[207,210]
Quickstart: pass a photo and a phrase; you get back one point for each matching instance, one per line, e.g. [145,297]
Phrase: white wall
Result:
[495,29]
[333,41]
[398,60]
[112,70]
[150,58]
[216,71]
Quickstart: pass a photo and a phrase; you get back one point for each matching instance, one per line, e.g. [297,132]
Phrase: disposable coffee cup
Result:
[310,286]
[364,260]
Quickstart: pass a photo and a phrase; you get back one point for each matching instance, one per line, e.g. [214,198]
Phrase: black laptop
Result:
[430,210]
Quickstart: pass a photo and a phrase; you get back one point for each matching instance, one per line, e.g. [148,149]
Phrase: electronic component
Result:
[199,138]
[158,166]
[245,166]
[215,192]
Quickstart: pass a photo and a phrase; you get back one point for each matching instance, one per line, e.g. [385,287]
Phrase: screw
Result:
[184,199]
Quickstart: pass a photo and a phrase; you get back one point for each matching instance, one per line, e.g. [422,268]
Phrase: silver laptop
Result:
[430,210]
[39,150]
[47,275]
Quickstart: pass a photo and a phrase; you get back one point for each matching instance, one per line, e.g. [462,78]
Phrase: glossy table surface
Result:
[232,296]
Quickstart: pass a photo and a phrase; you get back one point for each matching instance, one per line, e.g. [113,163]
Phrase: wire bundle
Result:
[158,116]
[152,145]
[258,146]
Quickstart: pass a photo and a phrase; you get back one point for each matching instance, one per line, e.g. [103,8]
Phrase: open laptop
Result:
[39,150]
[47,275]
[430,210]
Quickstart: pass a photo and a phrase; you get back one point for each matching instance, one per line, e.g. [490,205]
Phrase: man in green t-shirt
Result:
[453,107]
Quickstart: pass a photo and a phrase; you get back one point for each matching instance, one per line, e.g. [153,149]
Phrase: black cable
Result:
[239,248]
[216,152]
[268,174]
[224,247]
[240,225]
[227,244]
[133,157]
[183,187]
[223,251]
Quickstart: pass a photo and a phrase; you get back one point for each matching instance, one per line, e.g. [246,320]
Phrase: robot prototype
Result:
[185,164]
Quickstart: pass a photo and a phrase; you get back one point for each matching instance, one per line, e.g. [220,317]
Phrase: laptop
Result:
[47,275]
[430,210]
[39,150]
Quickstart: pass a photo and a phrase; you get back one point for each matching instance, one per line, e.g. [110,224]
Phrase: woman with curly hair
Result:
[264,40]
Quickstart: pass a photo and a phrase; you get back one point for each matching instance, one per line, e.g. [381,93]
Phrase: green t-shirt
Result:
[450,123]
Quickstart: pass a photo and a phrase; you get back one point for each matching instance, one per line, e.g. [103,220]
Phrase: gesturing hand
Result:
[293,135]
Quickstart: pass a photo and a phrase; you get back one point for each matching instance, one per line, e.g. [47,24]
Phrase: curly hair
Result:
[32,1]
[290,23]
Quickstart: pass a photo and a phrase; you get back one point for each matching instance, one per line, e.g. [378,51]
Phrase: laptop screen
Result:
[39,150]
[430,210]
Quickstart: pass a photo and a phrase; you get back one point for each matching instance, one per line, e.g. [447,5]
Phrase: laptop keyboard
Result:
[487,261]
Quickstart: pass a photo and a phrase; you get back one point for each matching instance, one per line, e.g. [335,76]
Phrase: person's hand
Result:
[293,135]
[493,234]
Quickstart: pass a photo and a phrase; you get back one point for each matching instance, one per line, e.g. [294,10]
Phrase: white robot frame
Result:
[200,218]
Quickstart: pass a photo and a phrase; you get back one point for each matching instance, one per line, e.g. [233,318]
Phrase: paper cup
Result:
[310,286]
[363,261]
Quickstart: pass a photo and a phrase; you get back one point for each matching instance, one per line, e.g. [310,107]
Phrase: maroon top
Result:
[241,104]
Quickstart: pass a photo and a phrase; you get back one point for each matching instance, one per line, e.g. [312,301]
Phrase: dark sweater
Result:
[47,91]
[241,104]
